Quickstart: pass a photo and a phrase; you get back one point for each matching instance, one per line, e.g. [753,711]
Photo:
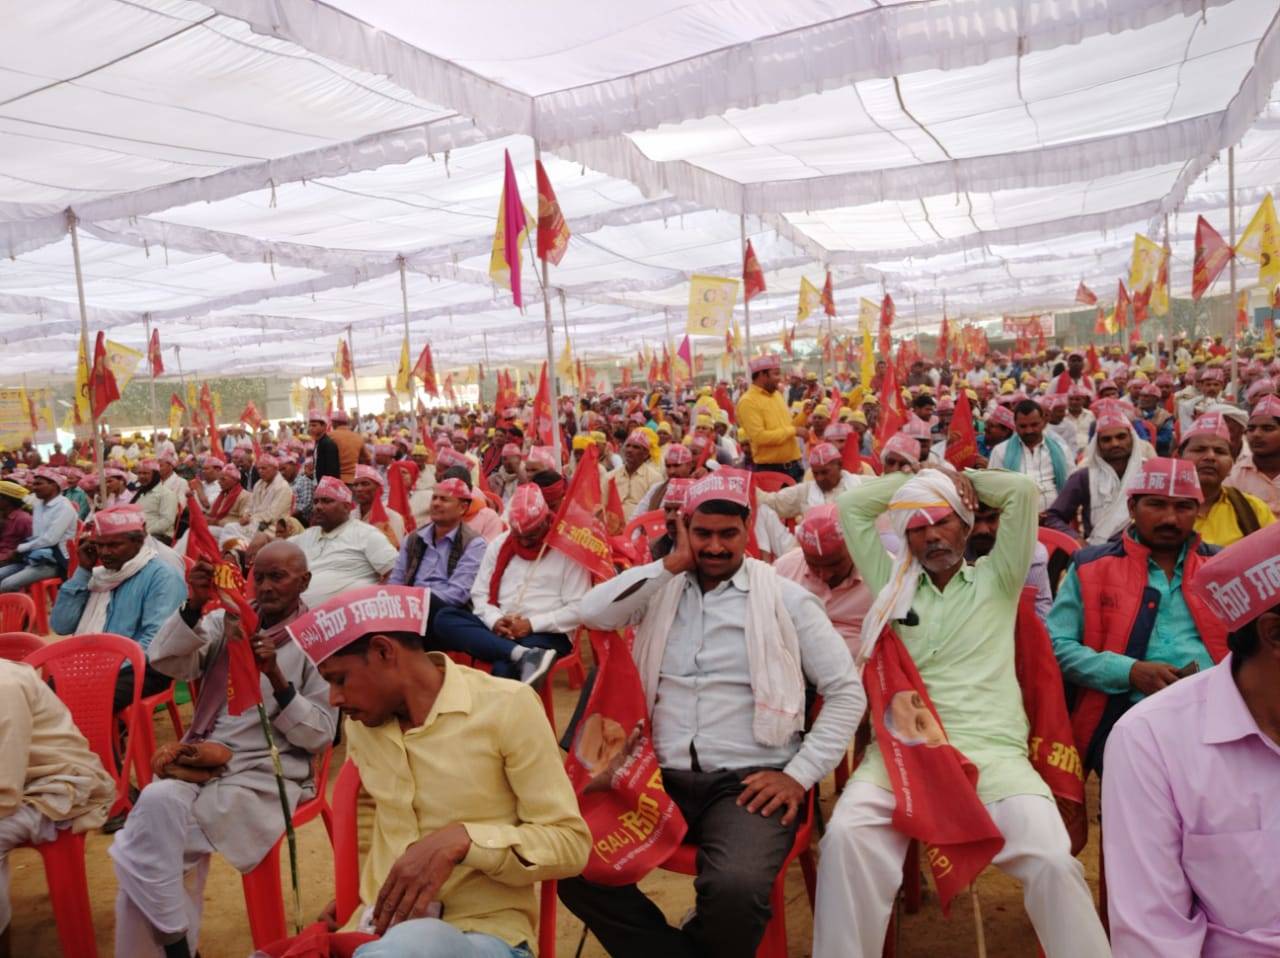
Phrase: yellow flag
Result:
[1160,292]
[81,410]
[25,401]
[123,362]
[737,338]
[565,367]
[868,357]
[191,396]
[403,385]
[217,405]
[868,316]
[175,419]
[711,302]
[1260,243]
[809,298]
[1144,266]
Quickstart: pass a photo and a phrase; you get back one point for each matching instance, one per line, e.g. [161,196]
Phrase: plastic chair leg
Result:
[577,674]
[911,879]
[172,708]
[264,900]
[774,942]
[808,868]
[547,920]
[69,893]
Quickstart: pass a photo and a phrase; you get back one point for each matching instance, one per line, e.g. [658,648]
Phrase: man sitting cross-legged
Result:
[216,790]
[471,803]
[525,596]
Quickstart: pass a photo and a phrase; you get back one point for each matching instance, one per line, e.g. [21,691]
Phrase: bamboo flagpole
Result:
[151,377]
[84,338]
[355,377]
[404,303]
[545,279]
[1231,224]
[746,304]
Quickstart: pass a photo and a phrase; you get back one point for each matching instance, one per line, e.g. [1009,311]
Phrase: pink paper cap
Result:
[369,473]
[677,454]
[1210,424]
[823,453]
[47,472]
[1266,407]
[1002,417]
[528,508]
[1243,580]
[454,488]
[127,518]
[677,492]
[544,456]
[819,533]
[1169,478]
[331,487]
[902,446]
[371,610]
[723,485]
[767,361]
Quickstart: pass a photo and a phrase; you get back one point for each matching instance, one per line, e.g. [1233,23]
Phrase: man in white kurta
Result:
[342,552]
[162,854]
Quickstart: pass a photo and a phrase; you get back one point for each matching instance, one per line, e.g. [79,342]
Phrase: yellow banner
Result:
[711,302]
[123,362]
[402,372]
[1260,243]
[1144,266]
[809,298]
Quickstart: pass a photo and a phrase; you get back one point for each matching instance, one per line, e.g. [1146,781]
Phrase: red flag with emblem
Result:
[887,314]
[553,231]
[893,415]
[250,415]
[544,417]
[578,530]
[962,438]
[1085,296]
[752,274]
[944,339]
[425,371]
[1211,257]
[211,421]
[103,389]
[828,296]
[153,354]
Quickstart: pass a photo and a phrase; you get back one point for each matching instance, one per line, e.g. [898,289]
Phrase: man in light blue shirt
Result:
[53,523]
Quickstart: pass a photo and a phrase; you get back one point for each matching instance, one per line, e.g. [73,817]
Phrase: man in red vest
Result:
[1122,625]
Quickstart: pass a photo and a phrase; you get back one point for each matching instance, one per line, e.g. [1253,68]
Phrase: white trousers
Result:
[162,860]
[860,870]
[25,826]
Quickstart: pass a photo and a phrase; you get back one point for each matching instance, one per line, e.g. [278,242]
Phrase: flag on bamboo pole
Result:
[577,530]
[553,231]
[665,368]
[685,355]
[565,367]
[1141,300]
[345,368]
[1160,289]
[752,274]
[176,408]
[544,420]
[893,415]
[153,354]
[425,371]
[403,370]
[1120,315]
[250,415]
[102,381]
[211,422]
[123,361]
[1260,243]
[1085,296]
[1100,323]
[944,339]
[962,438]
[1212,256]
[868,316]
[1144,263]
[868,359]
[1242,311]
[29,410]
[828,296]
[80,408]
[809,298]
[711,302]
[449,394]
[887,314]
[509,235]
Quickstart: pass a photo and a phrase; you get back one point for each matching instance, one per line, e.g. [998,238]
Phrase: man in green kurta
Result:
[957,623]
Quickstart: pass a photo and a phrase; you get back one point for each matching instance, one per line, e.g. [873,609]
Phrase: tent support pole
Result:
[1231,221]
[552,381]
[84,339]
[151,369]
[746,306]
[404,302]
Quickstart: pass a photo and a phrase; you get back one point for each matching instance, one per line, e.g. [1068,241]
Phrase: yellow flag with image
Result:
[711,302]
[1260,243]
[810,297]
[868,316]
[1144,265]
[402,371]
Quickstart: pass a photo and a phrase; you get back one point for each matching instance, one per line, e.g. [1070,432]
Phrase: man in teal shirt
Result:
[956,621]
[1121,625]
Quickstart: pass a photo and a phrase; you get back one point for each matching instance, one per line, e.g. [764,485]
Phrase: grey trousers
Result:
[739,855]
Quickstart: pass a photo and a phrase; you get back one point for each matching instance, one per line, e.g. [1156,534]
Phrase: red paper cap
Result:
[1210,424]
[454,488]
[1111,419]
[118,519]
[368,472]
[677,492]
[1170,478]
[677,454]
[356,613]
[333,488]
[819,533]
[823,453]
[723,485]
[528,507]
[903,446]
[230,470]
[917,427]
[544,456]
[837,430]
[448,457]
[1002,417]
[638,438]
[511,449]
[767,361]
[51,474]
[1243,580]
[1267,406]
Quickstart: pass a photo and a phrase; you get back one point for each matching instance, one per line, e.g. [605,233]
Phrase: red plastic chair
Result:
[771,481]
[146,727]
[262,893]
[576,674]
[346,862]
[17,612]
[1056,541]
[43,595]
[16,646]
[652,524]
[84,672]
[684,861]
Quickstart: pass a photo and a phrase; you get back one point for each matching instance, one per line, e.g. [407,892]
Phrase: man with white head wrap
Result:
[956,622]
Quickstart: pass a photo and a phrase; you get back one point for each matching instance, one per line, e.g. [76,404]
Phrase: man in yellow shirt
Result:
[765,422]
[1227,515]
[472,806]
[638,472]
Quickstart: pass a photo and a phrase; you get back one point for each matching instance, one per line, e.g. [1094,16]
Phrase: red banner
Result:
[578,531]
[425,371]
[934,784]
[635,826]
[962,438]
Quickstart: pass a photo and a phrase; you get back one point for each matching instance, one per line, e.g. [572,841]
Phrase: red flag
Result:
[725,401]
[511,226]
[1062,384]
[346,366]
[250,415]
[665,369]
[244,689]
[828,296]
[634,824]
[886,324]
[103,390]
[752,274]
[425,371]
[1141,300]
[788,341]
[653,370]
[1086,296]
[962,438]
[211,421]
[1212,256]
[1100,323]
[577,531]
[934,783]
[553,231]
[402,475]
[449,394]
[1122,305]
[1091,362]
[153,354]
[851,454]
[944,339]
[544,419]
[626,376]
[893,416]
[615,517]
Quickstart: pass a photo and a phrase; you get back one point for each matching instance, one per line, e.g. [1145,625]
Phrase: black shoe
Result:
[536,664]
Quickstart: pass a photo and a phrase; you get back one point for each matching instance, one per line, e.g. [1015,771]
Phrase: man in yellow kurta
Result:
[472,806]
[765,422]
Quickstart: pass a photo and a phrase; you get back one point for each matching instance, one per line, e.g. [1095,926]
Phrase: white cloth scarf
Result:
[103,581]
[928,489]
[773,653]
[1108,506]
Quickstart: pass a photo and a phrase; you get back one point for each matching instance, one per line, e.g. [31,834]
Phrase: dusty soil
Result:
[225,931]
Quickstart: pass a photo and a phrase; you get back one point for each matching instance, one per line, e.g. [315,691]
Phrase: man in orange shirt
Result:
[351,449]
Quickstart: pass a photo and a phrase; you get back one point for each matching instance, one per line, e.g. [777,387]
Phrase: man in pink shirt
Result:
[824,567]
[1258,471]
[1189,799]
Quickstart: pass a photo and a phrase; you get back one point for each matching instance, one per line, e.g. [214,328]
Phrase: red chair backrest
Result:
[84,670]
[771,481]
[1056,541]
[16,646]
[17,610]
[346,841]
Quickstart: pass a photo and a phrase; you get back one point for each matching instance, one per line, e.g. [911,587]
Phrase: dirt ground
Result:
[225,930]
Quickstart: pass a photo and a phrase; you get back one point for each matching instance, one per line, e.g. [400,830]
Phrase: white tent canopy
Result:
[249,174]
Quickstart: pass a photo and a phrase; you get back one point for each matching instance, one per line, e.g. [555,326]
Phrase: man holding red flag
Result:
[949,762]
[215,791]
[724,647]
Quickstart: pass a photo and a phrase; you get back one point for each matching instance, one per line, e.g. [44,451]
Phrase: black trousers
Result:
[794,468]
[739,855]
[153,683]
